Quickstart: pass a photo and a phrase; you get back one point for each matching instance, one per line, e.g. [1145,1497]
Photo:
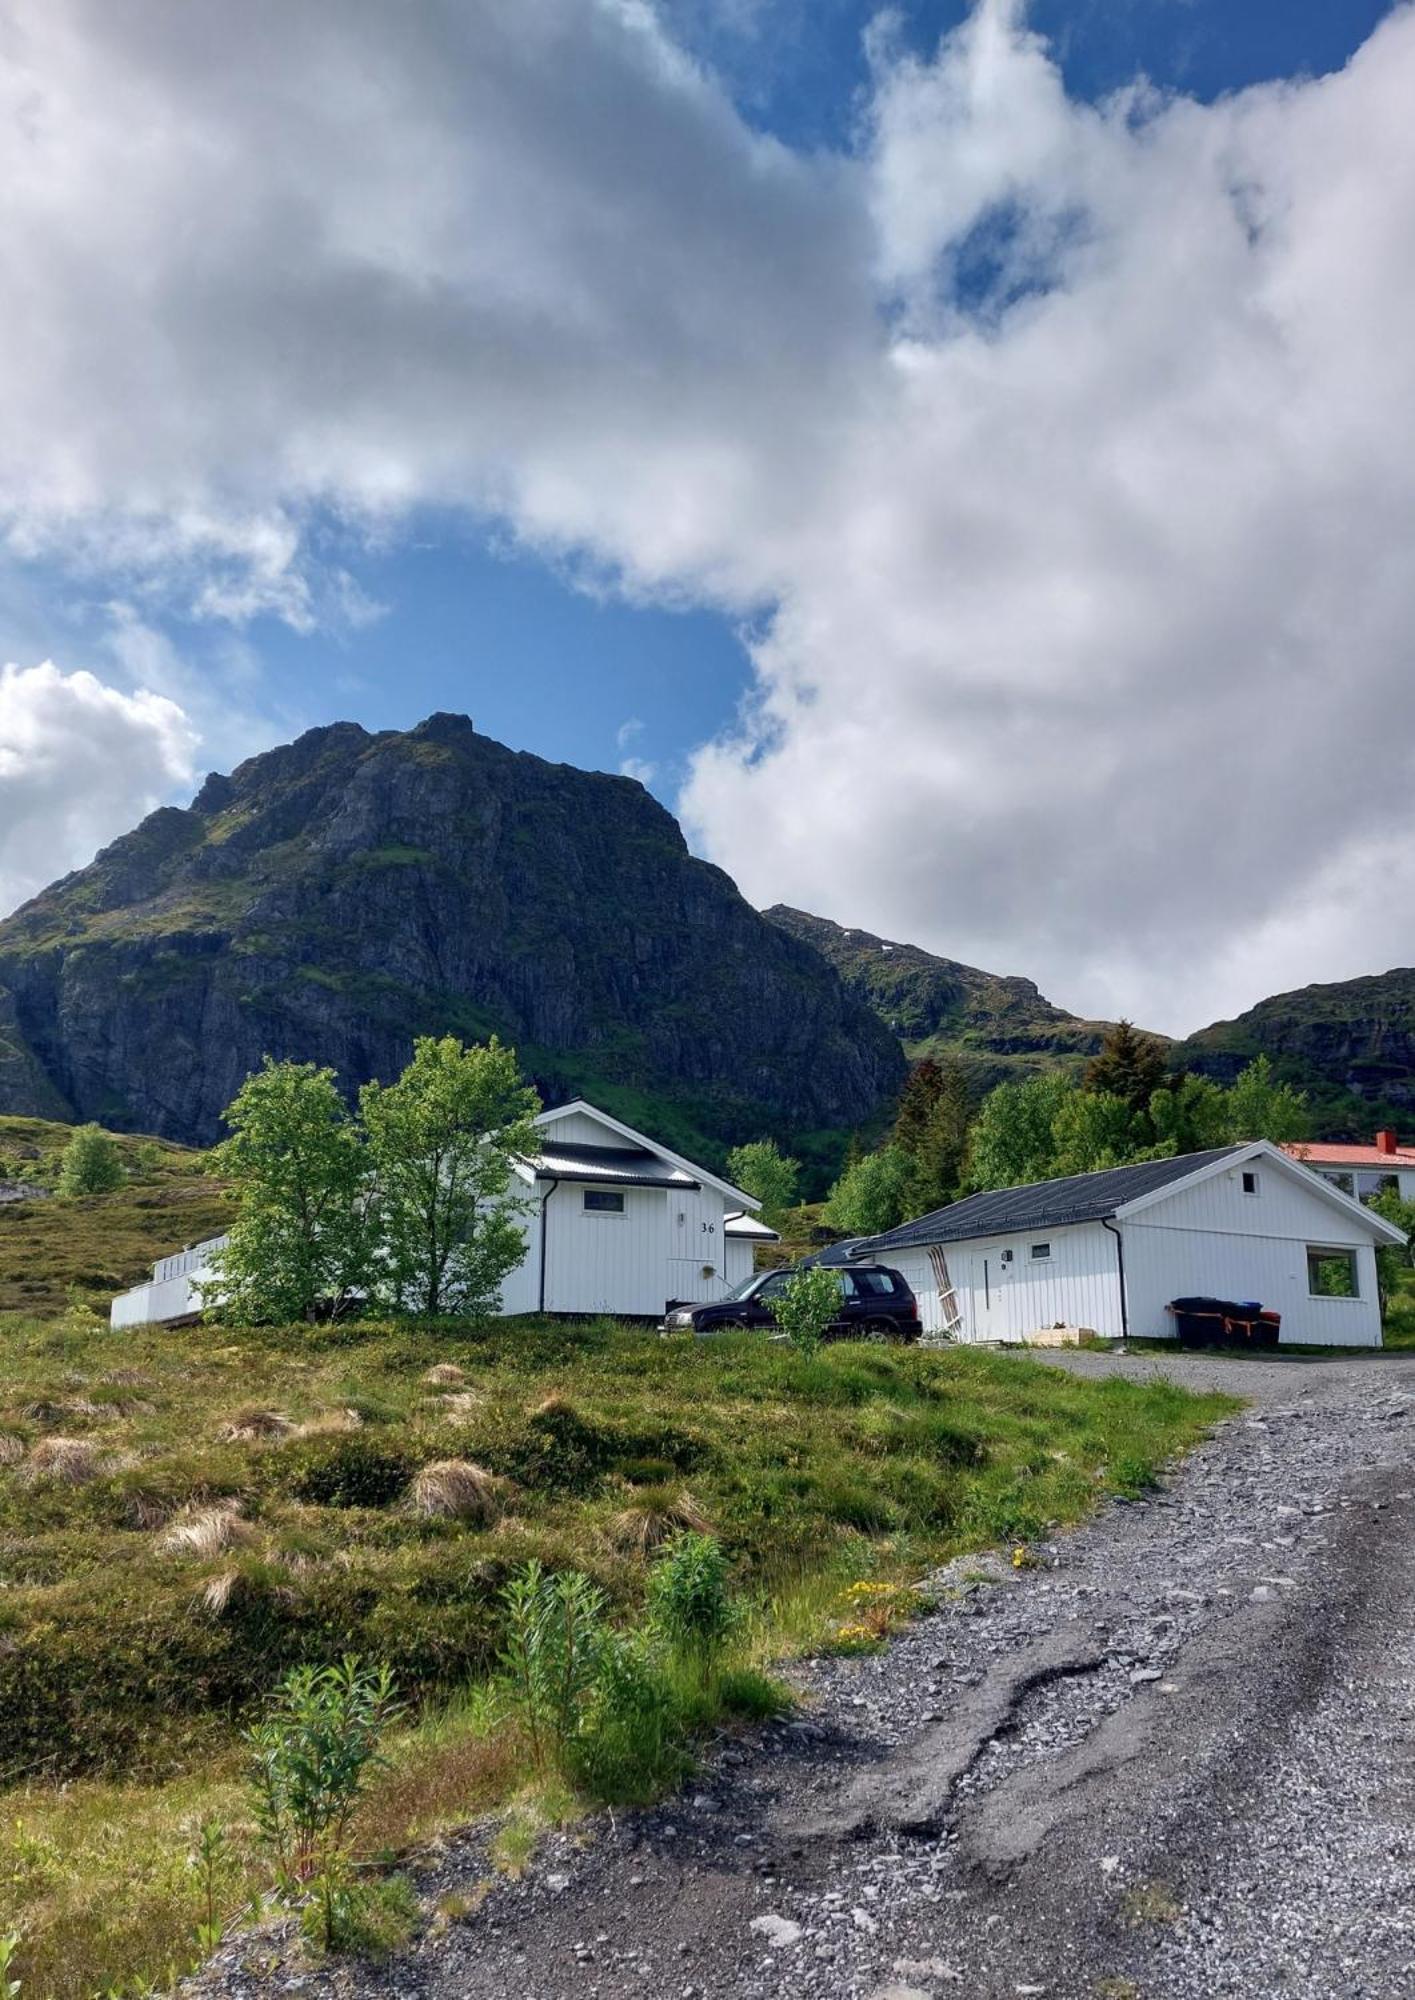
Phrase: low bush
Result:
[352,1471]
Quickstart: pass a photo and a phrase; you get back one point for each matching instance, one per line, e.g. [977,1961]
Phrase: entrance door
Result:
[696,1249]
[990,1293]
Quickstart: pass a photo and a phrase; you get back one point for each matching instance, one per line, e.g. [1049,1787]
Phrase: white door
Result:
[696,1246]
[990,1300]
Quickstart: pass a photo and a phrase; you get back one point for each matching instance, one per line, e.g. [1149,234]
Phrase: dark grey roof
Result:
[1045,1204]
[621,1166]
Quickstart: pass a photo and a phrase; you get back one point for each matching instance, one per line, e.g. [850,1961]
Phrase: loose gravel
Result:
[1174,1761]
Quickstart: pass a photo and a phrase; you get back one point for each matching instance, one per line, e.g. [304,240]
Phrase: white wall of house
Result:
[1212,1239]
[668,1243]
[1215,1240]
[740,1254]
[1366,1181]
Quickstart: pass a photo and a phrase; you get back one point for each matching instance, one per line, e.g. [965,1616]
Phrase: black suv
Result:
[875,1304]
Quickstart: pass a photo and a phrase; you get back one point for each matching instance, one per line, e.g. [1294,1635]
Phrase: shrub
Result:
[91,1164]
[310,1760]
[454,1489]
[351,1472]
[806,1307]
[690,1602]
[555,1635]
[630,1743]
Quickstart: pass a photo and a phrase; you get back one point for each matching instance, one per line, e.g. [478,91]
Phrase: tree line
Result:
[1127,1106]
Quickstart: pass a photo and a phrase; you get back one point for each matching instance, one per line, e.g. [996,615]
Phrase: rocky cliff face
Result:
[997,1027]
[1350,1046]
[333,898]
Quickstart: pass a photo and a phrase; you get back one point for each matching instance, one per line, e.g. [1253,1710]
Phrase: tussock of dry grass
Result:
[207,1532]
[230,1587]
[61,1461]
[12,1449]
[252,1426]
[128,1378]
[45,1412]
[147,1510]
[459,1406]
[453,1489]
[329,1422]
[445,1375]
[654,1518]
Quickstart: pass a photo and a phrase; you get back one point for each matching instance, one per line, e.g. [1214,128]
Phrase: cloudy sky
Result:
[962,459]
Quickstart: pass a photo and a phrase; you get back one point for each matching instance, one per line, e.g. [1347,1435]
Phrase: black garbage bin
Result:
[1241,1319]
[1198,1322]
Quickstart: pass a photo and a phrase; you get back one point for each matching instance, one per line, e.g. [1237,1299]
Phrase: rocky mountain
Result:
[997,1027]
[1350,1046]
[333,898]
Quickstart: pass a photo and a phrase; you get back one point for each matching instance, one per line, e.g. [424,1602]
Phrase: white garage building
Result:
[614,1223]
[1108,1251]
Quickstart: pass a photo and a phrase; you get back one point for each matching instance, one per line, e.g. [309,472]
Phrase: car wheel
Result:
[881,1331]
[734,1325]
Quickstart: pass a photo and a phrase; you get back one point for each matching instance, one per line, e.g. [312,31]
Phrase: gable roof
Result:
[1115,1191]
[673,1169]
[1346,1153]
[1048,1204]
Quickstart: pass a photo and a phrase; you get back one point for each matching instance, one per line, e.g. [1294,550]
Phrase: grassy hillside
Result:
[51,1250]
[127,1665]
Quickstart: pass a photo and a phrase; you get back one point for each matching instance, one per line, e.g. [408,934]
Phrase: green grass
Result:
[52,1251]
[123,1686]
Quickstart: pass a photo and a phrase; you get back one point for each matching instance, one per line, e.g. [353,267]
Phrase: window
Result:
[1346,1182]
[774,1286]
[1250,1181]
[1332,1274]
[603,1201]
[874,1284]
[1040,1250]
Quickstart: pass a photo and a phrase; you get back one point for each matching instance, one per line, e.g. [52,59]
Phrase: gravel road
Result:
[1176,1761]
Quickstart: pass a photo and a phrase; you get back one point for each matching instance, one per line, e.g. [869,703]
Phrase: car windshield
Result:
[747,1286]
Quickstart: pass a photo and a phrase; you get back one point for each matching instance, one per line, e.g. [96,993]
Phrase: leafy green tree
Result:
[300,1246]
[442,1144]
[1259,1107]
[1191,1117]
[762,1169]
[806,1306]
[1394,1260]
[1012,1140]
[872,1195]
[91,1164]
[1128,1065]
[1092,1130]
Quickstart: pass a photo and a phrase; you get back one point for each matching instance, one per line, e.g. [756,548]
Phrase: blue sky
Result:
[960,458]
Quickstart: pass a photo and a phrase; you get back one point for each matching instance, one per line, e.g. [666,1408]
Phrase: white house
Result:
[1109,1251]
[1358,1169]
[615,1223]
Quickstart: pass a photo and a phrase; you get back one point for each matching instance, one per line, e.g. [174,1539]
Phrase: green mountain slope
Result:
[1350,1046]
[997,1027]
[333,898]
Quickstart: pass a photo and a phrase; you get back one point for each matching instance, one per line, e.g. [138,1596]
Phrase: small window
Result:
[1040,1250]
[1346,1182]
[1250,1181]
[1332,1274]
[603,1201]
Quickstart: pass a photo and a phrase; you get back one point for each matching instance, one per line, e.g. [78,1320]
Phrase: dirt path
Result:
[1176,1762]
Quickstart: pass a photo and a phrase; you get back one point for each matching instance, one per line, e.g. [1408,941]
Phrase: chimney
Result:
[1385,1142]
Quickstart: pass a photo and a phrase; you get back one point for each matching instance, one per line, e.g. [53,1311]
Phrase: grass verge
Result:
[247,1501]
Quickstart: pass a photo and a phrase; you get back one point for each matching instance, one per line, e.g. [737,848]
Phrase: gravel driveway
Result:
[1177,1761]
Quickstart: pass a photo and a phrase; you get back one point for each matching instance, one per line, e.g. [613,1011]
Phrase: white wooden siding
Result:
[695,1244]
[1077,1285]
[598,1263]
[577,1128]
[1214,1241]
[740,1259]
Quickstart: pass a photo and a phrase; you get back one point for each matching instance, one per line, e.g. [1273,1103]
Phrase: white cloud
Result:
[79,762]
[1063,454]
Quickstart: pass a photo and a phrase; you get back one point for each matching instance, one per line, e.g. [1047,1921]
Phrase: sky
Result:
[960,457]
